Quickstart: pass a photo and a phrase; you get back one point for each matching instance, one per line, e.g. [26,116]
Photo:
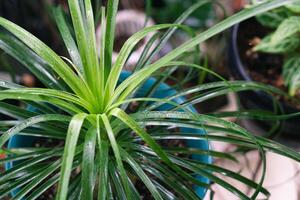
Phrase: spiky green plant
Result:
[106,148]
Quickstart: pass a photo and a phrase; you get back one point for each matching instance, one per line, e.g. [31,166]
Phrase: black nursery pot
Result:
[257,99]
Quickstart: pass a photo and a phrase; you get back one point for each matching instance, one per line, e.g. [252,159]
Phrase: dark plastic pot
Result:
[162,91]
[257,99]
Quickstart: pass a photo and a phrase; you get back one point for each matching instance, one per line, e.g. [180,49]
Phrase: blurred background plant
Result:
[284,40]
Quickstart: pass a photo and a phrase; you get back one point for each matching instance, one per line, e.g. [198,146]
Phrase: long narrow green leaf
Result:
[193,151]
[54,61]
[15,112]
[214,178]
[68,38]
[172,30]
[26,168]
[135,194]
[12,157]
[44,92]
[67,161]
[81,35]
[146,50]
[232,138]
[116,150]
[103,165]
[30,60]
[37,180]
[39,106]
[137,78]
[225,124]
[29,122]
[22,181]
[37,95]
[167,176]
[230,21]
[142,133]
[8,85]
[112,9]
[125,52]
[85,37]
[151,142]
[102,56]
[92,51]
[88,164]
[103,172]
[142,175]
[116,182]
[75,188]
[44,187]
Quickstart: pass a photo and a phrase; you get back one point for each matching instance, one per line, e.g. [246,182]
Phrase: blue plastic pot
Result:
[162,91]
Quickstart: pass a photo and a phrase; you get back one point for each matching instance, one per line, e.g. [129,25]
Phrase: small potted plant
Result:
[95,132]
[266,49]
